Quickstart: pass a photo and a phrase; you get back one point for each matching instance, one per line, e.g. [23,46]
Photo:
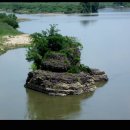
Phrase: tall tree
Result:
[89,7]
[119,3]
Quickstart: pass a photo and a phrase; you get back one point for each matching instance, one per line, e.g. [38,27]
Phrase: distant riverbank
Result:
[23,19]
[48,14]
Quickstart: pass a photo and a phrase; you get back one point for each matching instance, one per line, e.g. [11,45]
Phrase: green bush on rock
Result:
[54,52]
[56,66]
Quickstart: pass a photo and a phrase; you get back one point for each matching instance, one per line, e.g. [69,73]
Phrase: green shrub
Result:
[50,43]
[73,54]
[85,68]
[55,42]
[74,69]
[11,22]
[10,19]
[89,7]
[80,68]
[33,67]
[52,31]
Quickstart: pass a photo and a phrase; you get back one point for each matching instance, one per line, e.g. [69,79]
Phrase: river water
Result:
[106,42]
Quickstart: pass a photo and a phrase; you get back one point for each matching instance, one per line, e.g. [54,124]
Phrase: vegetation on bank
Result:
[8,25]
[6,29]
[89,7]
[10,19]
[51,48]
[40,7]
[52,7]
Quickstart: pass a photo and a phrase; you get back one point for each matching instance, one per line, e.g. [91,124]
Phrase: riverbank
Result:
[11,42]
[51,14]
[38,7]
[61,13]
[23,19]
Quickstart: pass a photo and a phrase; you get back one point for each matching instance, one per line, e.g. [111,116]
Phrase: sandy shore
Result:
[11,42]
[22,39]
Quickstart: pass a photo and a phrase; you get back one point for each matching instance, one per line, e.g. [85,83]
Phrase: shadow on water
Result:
[87,22]
[42,106]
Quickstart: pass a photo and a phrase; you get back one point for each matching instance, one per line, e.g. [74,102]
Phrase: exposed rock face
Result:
[99,75]
[56,63]
[62,84]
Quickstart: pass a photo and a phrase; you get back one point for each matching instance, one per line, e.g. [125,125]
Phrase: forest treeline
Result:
[63,7]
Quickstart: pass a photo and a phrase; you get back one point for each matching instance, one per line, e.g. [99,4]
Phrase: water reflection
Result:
[42,106]
[101,84]
[87,22]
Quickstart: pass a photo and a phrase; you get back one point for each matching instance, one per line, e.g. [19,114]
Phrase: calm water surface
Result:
[106,41]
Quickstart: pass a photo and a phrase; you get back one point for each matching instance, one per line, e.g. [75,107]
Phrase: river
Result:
[106,42]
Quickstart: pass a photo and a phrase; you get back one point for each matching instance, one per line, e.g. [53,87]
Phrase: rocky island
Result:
[56,68]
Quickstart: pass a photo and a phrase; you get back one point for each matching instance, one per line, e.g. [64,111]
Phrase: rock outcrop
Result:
[58,71]
[62,84]
[56,62]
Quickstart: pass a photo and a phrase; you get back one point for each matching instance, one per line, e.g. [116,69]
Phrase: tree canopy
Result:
[10,19]
[51,49]
[89,7]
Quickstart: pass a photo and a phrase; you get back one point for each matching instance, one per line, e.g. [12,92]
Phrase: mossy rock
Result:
[73,55]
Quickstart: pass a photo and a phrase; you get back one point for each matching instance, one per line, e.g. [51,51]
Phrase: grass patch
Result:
[6,29]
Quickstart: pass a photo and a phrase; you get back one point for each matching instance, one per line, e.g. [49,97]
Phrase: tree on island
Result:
[56,65]
[54,52]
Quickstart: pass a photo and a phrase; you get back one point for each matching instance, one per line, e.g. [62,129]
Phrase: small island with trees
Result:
[56,67]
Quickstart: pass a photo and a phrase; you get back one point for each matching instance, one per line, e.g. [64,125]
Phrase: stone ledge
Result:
[63,84]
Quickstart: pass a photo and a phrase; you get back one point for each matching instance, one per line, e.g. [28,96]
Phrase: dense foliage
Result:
[120,4]
[50,7]
[41,7]
[64,7]
[10,19]
[89,7]
[49,43]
